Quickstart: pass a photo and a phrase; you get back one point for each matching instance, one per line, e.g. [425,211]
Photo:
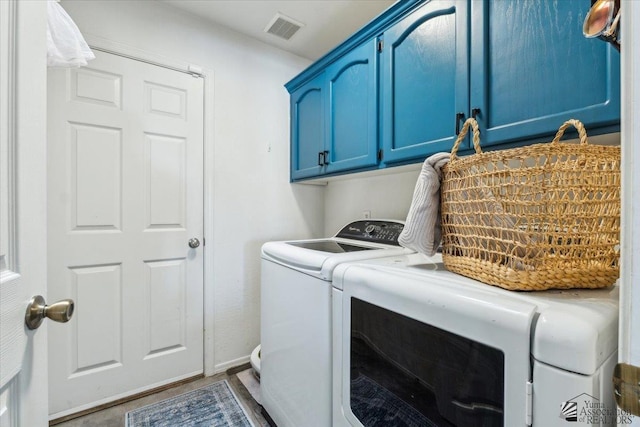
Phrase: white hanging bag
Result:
[65,45]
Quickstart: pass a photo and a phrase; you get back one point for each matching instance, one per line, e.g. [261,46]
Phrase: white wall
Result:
[252,198]
[386,196]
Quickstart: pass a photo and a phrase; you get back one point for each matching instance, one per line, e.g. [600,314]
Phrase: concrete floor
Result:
[114,416]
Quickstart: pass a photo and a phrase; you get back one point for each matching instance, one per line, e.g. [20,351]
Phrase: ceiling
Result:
[327,23]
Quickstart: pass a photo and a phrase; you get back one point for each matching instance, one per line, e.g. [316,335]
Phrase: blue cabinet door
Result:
[351,110]
[532,69]
[307,128]
[424,80]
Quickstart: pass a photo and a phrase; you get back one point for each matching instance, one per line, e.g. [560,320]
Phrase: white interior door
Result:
[125,196]
[23,367]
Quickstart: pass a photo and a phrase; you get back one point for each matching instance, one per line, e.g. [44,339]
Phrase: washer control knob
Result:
[370,229]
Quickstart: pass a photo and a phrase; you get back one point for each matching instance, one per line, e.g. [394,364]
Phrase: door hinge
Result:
[380,45]
[195,70]
[380,155]
[529,404]
[626,387]
[204,242]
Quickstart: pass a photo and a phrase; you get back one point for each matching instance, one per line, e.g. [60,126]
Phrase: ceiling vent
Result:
[283,26]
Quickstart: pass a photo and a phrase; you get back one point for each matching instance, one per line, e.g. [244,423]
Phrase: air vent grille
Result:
[283,26]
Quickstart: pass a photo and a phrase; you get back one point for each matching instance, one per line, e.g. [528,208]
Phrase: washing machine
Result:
[296,315]
[417,345]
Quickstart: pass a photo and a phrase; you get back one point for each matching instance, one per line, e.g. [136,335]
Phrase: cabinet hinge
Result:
[626,387]
[380,155]
[380,45]
[529,404]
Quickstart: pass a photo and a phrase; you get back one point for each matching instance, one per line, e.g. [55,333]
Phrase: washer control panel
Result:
[378,231]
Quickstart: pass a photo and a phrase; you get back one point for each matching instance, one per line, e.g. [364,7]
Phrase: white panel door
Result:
[23,363]
[125,196]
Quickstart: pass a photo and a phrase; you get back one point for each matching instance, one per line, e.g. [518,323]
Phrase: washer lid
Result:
[330,246]
[308,261]
[358,240]
[318,263]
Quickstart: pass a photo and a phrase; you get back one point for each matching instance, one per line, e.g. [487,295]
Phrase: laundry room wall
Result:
[253,201]
[385,196]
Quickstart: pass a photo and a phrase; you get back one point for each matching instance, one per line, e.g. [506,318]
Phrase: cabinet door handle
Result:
[459,118]
[320,158]
[325,157]
[475,112]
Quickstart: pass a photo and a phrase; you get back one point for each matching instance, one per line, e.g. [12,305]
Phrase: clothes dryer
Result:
[417,345]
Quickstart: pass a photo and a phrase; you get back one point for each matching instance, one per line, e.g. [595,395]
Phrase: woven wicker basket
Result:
[533,218]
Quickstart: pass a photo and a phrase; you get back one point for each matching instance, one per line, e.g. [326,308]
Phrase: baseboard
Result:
[222,367]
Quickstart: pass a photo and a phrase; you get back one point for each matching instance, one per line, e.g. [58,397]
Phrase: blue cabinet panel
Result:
[522,67]
[352,110]
[307,128]
[532,69]
[424,80]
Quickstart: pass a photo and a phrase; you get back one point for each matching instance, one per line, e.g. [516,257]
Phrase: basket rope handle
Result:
[470,122]
[582,133]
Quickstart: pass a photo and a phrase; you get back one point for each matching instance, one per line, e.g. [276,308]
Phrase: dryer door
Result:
[432,349]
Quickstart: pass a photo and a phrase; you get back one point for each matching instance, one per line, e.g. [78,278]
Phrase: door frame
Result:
[24,112]
[127,51]
[629,337]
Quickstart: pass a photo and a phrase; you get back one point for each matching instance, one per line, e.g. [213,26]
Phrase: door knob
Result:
[37,310]
[194,243]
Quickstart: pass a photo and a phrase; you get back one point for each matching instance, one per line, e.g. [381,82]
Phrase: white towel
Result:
[422,231]
[65,45]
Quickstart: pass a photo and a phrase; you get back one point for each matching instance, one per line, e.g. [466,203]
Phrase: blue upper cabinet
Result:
[307,128]
[395,91]
[334,122]
[532,69]
[424,80]
[351,111]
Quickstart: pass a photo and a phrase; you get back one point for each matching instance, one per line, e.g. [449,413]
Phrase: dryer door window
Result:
[408,373]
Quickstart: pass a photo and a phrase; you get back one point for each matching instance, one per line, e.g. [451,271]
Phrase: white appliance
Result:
[296,317]
[416,345]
